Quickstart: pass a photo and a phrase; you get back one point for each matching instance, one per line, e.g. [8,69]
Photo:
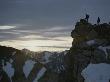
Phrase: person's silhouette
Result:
[98,20]
[87,17]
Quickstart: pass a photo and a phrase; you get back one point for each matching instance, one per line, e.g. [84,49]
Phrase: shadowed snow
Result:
[29,64]
[97,73]
[104,49]
[8,69]
[40,74]
[90,42]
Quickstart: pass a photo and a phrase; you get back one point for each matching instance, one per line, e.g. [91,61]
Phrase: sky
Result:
[46,25]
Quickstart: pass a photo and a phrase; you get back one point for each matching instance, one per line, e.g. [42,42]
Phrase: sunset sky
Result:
[41,25]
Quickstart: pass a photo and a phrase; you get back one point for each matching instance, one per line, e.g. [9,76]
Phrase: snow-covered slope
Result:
[104,48]
[40,74]
[90,42]
[29,64]
[8,69]
[46,56]
[97,73]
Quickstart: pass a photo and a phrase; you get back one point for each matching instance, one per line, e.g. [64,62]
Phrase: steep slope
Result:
[91,45]
[17,66]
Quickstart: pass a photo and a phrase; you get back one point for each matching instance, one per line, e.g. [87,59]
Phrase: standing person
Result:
[98,20]
[87,17]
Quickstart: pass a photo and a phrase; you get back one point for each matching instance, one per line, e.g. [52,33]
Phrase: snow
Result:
[58,69]
[97,73]
[29,64]
[13,53]
[65,52]
[40,74]
[46,57]
[63,68]
[11,60]
[8,69]
[104,49]
[90,42]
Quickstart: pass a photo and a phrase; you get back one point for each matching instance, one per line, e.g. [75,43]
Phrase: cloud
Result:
[41,14]
[6,27]
[55,47]
[38,45]
[15,32]
[47,19]
[38,37]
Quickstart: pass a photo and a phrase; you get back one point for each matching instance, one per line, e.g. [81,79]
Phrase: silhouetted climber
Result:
[98,20]
[87,17]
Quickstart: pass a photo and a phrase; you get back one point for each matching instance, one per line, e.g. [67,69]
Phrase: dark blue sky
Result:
[47,18]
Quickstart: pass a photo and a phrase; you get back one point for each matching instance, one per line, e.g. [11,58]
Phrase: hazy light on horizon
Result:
[40,45]
[46,24]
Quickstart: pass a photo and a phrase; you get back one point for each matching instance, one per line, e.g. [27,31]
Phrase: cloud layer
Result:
[47,19]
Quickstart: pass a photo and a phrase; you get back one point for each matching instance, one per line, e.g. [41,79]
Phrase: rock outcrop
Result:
[91,44]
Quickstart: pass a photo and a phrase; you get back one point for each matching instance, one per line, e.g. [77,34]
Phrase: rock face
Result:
[91,44]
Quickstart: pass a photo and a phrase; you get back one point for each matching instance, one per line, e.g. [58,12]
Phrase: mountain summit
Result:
[89,53]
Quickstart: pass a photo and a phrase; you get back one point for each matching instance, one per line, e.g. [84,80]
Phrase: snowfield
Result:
[104,49]
[8,69]
[97,73]
[40,74]
[91,42]
[29,64]
[47,55]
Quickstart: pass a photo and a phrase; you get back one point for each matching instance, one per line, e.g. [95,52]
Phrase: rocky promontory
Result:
[90,47]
